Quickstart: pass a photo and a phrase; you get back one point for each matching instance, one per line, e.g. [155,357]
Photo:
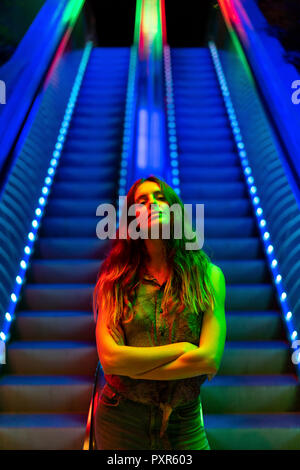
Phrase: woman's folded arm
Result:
[117,358]
[183,367]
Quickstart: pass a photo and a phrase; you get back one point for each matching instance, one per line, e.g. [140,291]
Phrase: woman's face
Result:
[157,208]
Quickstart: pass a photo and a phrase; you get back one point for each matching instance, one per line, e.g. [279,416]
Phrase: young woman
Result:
[160,329]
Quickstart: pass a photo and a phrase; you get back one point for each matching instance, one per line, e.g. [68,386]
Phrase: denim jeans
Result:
[123,424]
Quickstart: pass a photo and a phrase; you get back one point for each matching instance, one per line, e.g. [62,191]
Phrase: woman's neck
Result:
[157,256]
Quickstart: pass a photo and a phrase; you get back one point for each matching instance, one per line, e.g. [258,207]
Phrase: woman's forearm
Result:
[185,366]
[131,360]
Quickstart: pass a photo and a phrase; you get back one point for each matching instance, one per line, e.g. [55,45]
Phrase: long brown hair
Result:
[189,285]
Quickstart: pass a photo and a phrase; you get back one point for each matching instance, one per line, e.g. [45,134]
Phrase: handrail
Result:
[264,157]
[254,193]
[265,54]
[25,195]
[26,68]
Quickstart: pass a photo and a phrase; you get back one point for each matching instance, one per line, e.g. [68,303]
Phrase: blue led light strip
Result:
[38,214]
[128,133]
[172,137]
[252,190]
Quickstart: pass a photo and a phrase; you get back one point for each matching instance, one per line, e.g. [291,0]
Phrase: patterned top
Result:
[149,328]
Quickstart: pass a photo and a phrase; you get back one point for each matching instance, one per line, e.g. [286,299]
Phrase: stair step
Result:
[250,297]
[233,248]
[95,133]
[213,208]
[47,431]
[193,81]
[198,173]
[113,114]
[113,119]
[52,358]
[54,325]
[229,227]
[73,207]
[239,207]
[109,109]
[99,90]
[109,103]
[100,160]
[251,394]
[202,112]
[215,190]
[57,297]
[106,145]
[71,248]
[74,189]
[263,431]
[85,175]
[185,96]
[245,271]
[70,226]
[56,271]
[45,394]
[198,75]
[94,248]
[97,70]
[254,325]
[188,52]
[256,358]
[79,297]
[215,159]
[195,119]
[86,226]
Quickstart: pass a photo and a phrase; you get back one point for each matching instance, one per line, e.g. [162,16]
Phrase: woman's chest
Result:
[150,325]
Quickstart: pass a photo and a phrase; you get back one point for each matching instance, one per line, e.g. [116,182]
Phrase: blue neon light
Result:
[9,315]
[265,235]
[171,122]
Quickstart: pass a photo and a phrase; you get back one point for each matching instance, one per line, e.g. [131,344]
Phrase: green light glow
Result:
[138,20]
[229,13]
[239,50]
[148,27]
[72,10]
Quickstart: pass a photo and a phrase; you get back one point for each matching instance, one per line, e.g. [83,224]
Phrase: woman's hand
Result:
[118,335]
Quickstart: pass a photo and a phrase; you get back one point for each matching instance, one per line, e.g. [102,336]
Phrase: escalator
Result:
[252,402]
[52,355]
[46,388]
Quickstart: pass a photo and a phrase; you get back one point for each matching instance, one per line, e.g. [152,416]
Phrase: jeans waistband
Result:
[189,403]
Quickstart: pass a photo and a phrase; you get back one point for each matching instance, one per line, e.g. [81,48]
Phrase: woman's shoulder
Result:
[215,272]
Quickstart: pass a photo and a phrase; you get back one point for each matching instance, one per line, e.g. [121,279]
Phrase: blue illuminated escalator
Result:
[52,357]
[252,403]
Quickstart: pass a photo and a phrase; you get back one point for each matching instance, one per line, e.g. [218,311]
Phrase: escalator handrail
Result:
[25,70]
[265,54]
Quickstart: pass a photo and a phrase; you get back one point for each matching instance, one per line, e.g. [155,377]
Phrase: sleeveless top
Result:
[149,328]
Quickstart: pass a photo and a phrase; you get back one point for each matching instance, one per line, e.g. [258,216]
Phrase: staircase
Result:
[252,403]
[51,360]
